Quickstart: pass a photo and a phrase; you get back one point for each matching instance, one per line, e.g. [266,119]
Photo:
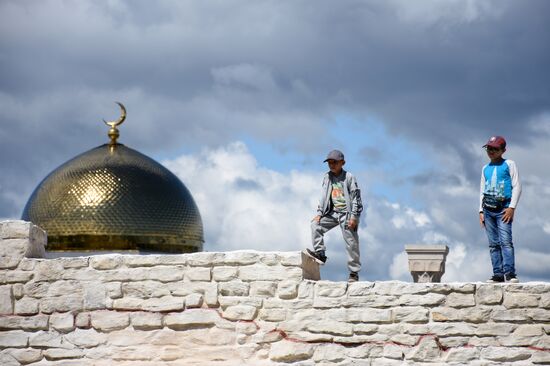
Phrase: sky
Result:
[242,100]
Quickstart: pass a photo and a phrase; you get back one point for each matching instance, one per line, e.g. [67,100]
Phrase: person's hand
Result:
[481,220]
[508,215]
[317,219]
[352,224]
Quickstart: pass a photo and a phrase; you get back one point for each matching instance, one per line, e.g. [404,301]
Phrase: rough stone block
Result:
[53,354]
[285,351]
[173,273]
[458,300]
[225,273]
[489,294]
[401,288]
[430,299]
[36,289]
[393,351]
[269,273]
[12,252]
[452,329]
[26,356]
[370,315]
[520,300]
[332,353]
[14,339]
[43,339]
[192,319]
[272,315]
[287,290]
[470,315]
[113,290]
[427,350]
[508,354]
[26,306]
[360,288]
[306,290]
[404,339]
[28,323]
[495,329]
[6,300]
[330,289]
[106,261]
[234,288]
[163,304]
[146,321]
[144,289]
[511,315]
[365,328]
[462,355]
[85,338]
[198,274]
[15,276]
[240,312]
[60,304]
[108,321]
[545,301]
[62,322]
[193,301]
[411,315]
[330,327]
[263,288]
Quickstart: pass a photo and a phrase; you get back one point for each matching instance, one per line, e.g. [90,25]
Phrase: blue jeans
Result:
[501,248]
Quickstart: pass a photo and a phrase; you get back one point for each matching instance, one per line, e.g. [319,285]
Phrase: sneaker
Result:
[319,256]
[495,279]
[511,278]
[353,277]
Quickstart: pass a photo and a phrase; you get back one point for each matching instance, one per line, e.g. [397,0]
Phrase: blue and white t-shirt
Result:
[500,180]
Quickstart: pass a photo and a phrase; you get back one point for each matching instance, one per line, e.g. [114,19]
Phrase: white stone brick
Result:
[8,360]
[53,354]
[285,351]
[240,312]
[60,304]
[85,338]
[545,301]
[520,300]
[83,320]
[494,329]
[426,351]
[44,339]
[198,274]
[470,315]
[18,291]
[113,290]
[290,258]
[222,274]
[330,327]
[193,301]
[62,322]
[234,288]
[399,288]
[509,315]
[539,315]
[452,329]
[430,299]
[361,288]
[393,351]
[107,261]
[48,270]
[226,301]
[240,258]
[146,321]
[144,289]
[272,315]
[13,339]
[508,354]
[269,273]
[329,353]
[462,355]
[365,328]
[76,262]
[171,273]
[192,319]
[108,321]
[405,339]
[458,300]
[370,315]
[287,289]
[128,303]
[30,323]
[26,306]
[489,294]
[27,355]
[36,289]
[165,303]
[263,288]
[12,252]
[15,276]
[330,289]
[6,300]
[411,314]
[62,288]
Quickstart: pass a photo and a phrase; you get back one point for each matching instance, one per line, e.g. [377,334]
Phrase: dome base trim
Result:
[122,242]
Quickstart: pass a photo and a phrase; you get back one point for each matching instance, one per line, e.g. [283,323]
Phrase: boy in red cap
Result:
[340,205]
[500,190]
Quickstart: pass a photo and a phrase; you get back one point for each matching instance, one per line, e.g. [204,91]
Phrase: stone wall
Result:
[250,308]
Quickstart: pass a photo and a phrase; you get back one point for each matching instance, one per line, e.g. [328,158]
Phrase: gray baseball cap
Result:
[334,155]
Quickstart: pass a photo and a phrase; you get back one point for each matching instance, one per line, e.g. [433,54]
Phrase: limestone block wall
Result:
[249,308]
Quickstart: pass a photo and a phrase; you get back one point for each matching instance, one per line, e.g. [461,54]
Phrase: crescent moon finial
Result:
[113,131]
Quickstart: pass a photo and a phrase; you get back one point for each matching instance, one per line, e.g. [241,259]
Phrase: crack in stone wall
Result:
[249,308]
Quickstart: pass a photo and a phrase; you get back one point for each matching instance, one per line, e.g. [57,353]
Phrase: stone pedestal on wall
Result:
[427,262]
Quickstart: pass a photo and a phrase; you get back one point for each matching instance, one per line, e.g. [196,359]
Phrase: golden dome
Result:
[115,198]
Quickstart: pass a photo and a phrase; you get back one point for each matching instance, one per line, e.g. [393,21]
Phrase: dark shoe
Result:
[511,277]
[353,277]
[319,256]
[495,279]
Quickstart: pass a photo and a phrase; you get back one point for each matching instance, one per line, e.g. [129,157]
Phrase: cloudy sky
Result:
[243,100]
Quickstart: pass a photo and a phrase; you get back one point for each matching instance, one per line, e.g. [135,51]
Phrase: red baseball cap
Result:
[496,141]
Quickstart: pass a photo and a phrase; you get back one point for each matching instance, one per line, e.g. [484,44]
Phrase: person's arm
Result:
[321,200]
[481,190]
[516,184]
[355,196]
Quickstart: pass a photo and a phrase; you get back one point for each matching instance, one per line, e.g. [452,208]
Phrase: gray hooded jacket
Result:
[352,194]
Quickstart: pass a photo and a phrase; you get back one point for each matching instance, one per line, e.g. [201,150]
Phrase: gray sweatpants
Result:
[329,221]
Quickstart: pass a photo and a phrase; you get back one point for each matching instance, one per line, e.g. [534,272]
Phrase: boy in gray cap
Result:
[340,205]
